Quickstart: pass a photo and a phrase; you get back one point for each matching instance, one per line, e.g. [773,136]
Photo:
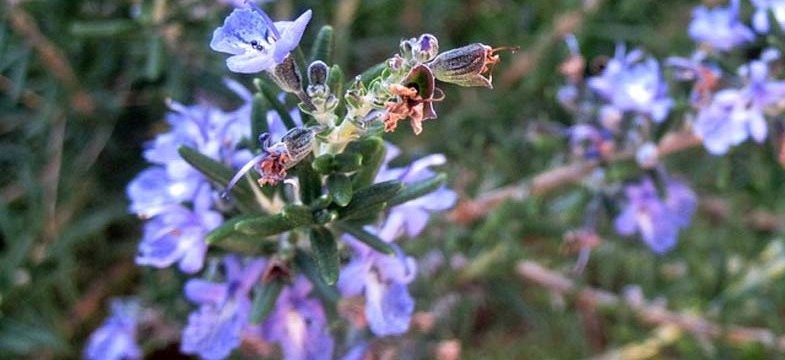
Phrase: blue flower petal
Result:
[214,331]
[388,308]
[240,28]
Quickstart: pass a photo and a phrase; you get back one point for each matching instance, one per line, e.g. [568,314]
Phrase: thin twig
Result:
[649,312]
[50,176]
[468,211]
[50,55]
[28,98]
[91,301]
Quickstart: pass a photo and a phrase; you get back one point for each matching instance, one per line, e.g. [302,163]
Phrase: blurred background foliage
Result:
[84,84]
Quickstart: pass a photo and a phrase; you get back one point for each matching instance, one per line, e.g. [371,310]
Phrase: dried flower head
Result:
[414,99]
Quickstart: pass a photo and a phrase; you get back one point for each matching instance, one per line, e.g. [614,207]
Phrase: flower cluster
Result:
[383,278]
[177,200]
[624,109]
[656,218]
[322,190]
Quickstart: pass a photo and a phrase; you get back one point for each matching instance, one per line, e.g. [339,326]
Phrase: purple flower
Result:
[215,329]
[719,27]
[254,41]
[177,235]
[116,338]
[298,324]
[412,216]
[736,114]
[176,199]
[657,219]
[631,83]
[213,132]
[149,192]
[760,19]
[383,279]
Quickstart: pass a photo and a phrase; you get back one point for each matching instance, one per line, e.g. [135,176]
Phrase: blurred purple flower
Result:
[736,114]
[357,351]
[149,192]
[207,129]
[706,77]
[589,142]
[412,216]
[383,279]
[298,324]
[215,329]
[632,83]
[176,199]
[719,27]
[254,41]
[177,235]
[241,3]
[115,339]
[657,219]
[760,19]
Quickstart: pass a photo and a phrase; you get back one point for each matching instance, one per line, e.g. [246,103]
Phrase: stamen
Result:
[244,169]
[505,48]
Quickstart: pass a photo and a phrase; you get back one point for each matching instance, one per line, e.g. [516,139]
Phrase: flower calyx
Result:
[470,65]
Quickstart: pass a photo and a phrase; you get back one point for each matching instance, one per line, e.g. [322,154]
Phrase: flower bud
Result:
[407,48]
[317,73]
[466,66]
[427,47]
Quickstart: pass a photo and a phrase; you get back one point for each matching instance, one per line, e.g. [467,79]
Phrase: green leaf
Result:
[325,253]
[225,230]
[227,237]
[367,238]
[323,46]
[298,214]
[219,173]
[418,189]
[365,199]
[291,217]
[155,57]
[325,216]
[347,162]
[310,181]
[366,215]
[307,266]
[340,187]
[270,93]
[259,109]
[335,80]
[264,298]
[341,163]
[372,151]
[323,164]
[103,28]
